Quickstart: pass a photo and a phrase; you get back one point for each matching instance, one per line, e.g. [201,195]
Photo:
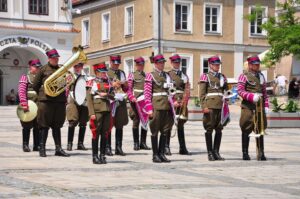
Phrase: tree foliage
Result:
[283,31]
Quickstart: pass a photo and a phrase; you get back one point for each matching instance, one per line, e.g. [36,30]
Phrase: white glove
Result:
[120,96]
[266,110]
[256,97]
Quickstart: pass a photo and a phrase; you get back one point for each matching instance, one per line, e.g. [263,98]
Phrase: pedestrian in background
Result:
[293,91]
[281,83]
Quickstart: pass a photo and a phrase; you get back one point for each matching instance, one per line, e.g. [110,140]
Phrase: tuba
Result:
[57,83]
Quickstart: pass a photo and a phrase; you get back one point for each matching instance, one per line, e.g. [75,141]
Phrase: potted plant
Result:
[195,110]
[284,115]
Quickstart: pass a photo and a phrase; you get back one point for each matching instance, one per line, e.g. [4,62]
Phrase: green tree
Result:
[283,31]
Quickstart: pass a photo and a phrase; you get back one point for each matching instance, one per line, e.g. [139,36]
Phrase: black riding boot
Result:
[102,157]
[260,149]
[167,145]
[95,150]
[182,147]
[143,143]
[154,142]
[57,140]
[217,144]
[162,144]
[119,139]
[245,146]
[81,134]
[108,145]
[70,138]
[36,139]
[43,139]
[208,140]
[135,133]
[26,137]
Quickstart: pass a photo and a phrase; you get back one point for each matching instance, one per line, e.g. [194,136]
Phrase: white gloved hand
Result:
[120,96]
[256,97]
[267,110]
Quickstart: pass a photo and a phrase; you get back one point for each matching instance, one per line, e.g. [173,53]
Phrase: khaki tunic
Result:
[138,84]
[51,110]
[121,116]
[212,120]
[180,86]
[31,95]
[247,108]
[162,120]
[76,114]
[100,107]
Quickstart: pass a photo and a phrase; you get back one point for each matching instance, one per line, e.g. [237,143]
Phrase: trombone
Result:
[259,120]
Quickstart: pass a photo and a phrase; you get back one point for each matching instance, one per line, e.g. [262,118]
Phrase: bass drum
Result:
[80,90]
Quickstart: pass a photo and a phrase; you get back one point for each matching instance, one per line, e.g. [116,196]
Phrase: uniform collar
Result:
[160,72]
[53,66]
[214,73]
[140,72]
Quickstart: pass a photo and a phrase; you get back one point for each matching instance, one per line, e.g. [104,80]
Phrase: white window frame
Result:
[84,41]
[219,19]
[126,19]
[126,67]
[190,67]
[202,58]
[264,33]
[189,18]
[105,39]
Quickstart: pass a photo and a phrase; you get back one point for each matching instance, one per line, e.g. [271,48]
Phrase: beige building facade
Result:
[194,29]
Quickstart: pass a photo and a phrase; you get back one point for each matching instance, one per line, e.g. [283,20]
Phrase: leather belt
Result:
[138,90]
[160,94]
[98,97]
[214,94]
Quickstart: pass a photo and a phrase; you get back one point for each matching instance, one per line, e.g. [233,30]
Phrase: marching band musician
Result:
[100,91]
[119,110]
[26,93]
[252,88]
[180,80]
[76,114]
[158,107]
[136,82]
[212,86]
[51,110]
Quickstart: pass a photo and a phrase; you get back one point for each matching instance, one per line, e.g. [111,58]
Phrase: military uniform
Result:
[250,87]
[157,101]
[51,110]
[212,87]
[76,115]
[136,82]
[180,81]
[120,118]
[26,93]
[100,107]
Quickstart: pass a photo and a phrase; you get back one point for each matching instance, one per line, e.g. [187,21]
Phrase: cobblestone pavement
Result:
[26,175]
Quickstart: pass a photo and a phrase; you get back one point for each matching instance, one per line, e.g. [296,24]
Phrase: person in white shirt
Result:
[281,82]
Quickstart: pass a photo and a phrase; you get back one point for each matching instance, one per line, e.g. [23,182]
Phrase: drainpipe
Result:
[159,27]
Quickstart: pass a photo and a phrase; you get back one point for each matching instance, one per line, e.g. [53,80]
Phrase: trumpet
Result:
[172,91]
[183,112]
[258,119]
